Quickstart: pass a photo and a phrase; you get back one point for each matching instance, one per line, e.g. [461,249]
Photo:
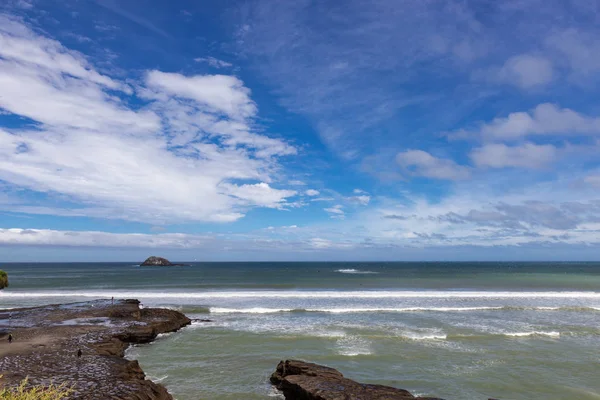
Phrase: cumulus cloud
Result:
[421,163]
[527,155]
[188,152]
[545,119]
[525,71]
[336,211]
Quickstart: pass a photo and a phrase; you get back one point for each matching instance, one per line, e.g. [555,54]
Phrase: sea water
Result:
[454,330]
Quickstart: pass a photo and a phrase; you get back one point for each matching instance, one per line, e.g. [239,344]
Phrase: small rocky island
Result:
[3,279]
[158,262]
[83,345]
[299,380]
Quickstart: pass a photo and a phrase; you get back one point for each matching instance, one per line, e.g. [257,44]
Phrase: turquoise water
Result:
[454,330]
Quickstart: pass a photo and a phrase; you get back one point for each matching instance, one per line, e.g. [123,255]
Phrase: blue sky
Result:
[305,130]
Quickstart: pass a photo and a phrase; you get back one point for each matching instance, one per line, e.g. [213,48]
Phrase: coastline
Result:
[46,341]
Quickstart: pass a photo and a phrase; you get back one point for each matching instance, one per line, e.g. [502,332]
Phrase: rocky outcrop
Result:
[46,343]
[299,380]
[3,279]
[158,261]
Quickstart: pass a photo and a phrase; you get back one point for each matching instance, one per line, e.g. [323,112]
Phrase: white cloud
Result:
[221,94]
[545,119]
[364,199]
[527,155]
[421,163]
[336,211]
[525,71]
[214,62]
[580,50]
[259,194]
[190,154]
[296,182]
[322,199]
[593,180]
[312,192]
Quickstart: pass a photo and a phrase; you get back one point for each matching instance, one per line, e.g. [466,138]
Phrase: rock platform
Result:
[46,341]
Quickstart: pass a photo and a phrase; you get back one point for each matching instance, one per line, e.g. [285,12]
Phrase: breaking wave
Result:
[355,271]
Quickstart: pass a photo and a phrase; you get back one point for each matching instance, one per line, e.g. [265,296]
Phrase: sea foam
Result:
[354,271]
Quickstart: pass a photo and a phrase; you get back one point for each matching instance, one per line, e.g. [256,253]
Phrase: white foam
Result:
[159,379]
[352,346]
[424,336]
[354,271]
[532,333]
[254,310]
[400,309]
[263,310]
[298,294]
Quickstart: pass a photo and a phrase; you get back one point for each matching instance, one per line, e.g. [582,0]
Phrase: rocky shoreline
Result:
[47,340]
[83,345]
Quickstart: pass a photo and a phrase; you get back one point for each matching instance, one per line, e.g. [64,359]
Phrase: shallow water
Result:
[454,330]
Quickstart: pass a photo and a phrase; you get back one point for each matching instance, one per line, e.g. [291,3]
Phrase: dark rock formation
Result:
[159,261]
[299,380]
[3,279]
[47,341]
[156,261]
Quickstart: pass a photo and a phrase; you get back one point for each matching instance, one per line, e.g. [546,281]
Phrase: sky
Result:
[263,130]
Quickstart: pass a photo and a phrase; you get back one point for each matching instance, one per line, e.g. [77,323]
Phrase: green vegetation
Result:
[24,392]
[3,279]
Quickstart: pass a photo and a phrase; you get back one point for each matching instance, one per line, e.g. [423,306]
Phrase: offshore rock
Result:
[158,261]
[299,380]
[46,343]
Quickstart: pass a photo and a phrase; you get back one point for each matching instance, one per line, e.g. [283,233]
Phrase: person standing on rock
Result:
[10,338]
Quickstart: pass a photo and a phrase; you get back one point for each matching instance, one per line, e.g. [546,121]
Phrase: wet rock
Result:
[299,380]
[48,340]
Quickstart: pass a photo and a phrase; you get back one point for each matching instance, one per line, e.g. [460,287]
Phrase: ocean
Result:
[461,331]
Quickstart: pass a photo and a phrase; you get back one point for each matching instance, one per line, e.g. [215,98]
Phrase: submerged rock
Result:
[299,380]
[158,261]
[3,279]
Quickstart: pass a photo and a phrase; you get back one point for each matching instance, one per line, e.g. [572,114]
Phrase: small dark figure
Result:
[79,353]
[9,338]
[112,299]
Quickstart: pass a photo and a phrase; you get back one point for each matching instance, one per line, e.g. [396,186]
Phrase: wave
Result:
[265,310]
[524,334]
[425,336]
[299,294]
[254,310]
[532,333]
[354,271]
